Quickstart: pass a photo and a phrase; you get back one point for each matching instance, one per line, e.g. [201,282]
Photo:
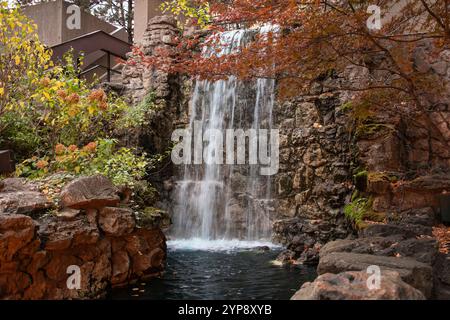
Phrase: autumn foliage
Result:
[319,40]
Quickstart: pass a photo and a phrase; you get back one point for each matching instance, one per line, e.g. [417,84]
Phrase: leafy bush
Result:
[42,104]
[101,157]
[58,122]
[138,115]
[357,209]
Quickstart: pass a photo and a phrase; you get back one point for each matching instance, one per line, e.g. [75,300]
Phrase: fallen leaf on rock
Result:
[442,234]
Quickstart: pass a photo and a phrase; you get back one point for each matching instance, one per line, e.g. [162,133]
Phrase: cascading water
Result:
[225,202]
[221,213]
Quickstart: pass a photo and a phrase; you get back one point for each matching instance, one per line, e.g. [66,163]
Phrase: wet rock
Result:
[116,221]
[303,237]
[89,193]
[417,274]
[286,256]
[353,286]
[310,256]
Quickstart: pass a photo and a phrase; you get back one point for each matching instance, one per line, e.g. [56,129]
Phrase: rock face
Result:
[116,222]
[313,182]
[417,274]
[320,153]
[353,286]
[164,96]
[160,90]
[89,193]
[37,257]
[423,250]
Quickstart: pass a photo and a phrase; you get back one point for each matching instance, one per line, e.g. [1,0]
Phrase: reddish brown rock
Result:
[17,184]
[60,235]
[14,283]
[147,250]
[120,267]
[116,221]
[37,290]
[35,255]
[89,193]
[421,192]
[56,269]
[39,260]
[16,232]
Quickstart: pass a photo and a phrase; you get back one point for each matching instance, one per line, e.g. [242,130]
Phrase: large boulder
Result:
[423,250]
[404,229]
[17,196]
[17,184]
[353,286]
[116,221]
[92,192]
[417,274]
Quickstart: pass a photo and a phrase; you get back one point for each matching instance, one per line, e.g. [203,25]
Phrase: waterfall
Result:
[224,201]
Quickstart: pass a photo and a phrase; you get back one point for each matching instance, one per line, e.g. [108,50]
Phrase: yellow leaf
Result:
[17,60]
[2,91]
[91,110]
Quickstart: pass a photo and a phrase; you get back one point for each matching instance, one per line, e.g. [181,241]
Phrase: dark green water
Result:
[221,274]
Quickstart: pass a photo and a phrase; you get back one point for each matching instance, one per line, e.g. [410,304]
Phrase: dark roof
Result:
[92,42]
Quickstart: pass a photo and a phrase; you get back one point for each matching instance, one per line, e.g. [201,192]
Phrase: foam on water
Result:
[198,244]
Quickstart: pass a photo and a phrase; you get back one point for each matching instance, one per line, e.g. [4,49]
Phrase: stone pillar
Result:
[144,11]
[140,81]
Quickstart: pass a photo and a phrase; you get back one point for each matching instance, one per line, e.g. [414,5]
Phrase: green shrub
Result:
[138,115]
[357,210]
[121,165]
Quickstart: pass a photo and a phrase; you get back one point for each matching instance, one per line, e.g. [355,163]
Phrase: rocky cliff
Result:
[400,173]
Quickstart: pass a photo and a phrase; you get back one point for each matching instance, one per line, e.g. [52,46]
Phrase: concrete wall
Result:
[144,10]
[51,18]
[48,17]
[89,24]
